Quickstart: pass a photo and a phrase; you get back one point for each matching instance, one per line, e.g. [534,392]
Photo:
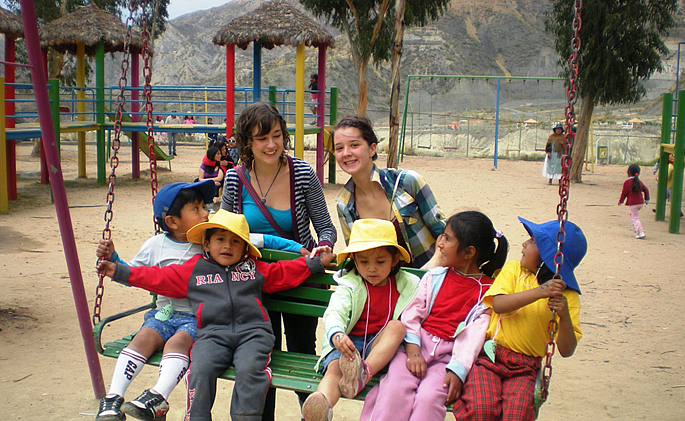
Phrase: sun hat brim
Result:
[196,235]
[359,246]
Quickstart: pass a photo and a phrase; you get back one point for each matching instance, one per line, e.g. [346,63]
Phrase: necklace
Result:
[270,185]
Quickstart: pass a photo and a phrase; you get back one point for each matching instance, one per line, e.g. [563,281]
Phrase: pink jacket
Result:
[470,335]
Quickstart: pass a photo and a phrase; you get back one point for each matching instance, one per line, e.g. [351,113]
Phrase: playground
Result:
[627,365]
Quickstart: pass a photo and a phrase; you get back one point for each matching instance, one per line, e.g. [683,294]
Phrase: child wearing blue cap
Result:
[501,383]
[171,326]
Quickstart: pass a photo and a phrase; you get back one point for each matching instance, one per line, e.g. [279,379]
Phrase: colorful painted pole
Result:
[10,145]
[299,102]
[100,108]
[666,117]
[321,111]
[81,105]
[135,107]
[230,88]
[4,197]
[333,120]
[257,71]
[28,15]
[678,153]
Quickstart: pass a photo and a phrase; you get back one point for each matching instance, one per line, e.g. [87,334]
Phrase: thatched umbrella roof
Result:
[88,25]
[274,23]
[10,24]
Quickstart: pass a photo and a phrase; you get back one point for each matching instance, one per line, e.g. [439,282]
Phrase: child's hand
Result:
[453,384]
[106,268]
[325,255]
[558,304]
[319,250]
[344,344]
[105,249]
[553,287]
[304,252]
[415,362]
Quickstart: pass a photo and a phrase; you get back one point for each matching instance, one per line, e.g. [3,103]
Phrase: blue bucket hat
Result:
[558,126]
[167,194]
[574,248]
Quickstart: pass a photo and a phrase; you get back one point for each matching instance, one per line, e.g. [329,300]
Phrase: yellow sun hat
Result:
[228,221]
[369,234]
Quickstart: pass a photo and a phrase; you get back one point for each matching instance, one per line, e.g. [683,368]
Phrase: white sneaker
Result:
[640,236]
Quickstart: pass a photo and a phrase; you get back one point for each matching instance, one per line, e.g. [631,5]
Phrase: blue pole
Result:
[257,71]
[497,121]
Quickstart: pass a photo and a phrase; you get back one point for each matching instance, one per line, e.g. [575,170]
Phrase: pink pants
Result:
[401,396]
[635,217]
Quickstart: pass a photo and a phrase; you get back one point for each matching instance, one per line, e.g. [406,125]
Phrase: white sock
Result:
[171,370]
[127,368]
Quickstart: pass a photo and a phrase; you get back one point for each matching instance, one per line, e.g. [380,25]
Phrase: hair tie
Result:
[499,234]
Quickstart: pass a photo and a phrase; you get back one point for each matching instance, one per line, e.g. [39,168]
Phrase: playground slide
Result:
[142,145]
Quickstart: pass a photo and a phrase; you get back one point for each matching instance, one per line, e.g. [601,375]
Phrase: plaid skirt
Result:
[502,390]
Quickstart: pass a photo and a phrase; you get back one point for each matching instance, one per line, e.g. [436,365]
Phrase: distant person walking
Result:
[635,194]
[172,137]
[314,86]
[554,150]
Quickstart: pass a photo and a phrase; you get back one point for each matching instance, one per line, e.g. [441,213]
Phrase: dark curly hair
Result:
[263,116]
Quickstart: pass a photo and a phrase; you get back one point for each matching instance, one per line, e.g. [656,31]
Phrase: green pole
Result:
[100,108]
[109,133]
[678,153]
[666,118]
[53,94]
[272,95]
[333,120]
[400,150]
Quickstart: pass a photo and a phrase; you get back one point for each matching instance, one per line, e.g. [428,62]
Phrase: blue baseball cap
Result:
[574,248]
[167,194]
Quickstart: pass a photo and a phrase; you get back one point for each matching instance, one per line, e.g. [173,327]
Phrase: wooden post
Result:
[332,122]
[678,153]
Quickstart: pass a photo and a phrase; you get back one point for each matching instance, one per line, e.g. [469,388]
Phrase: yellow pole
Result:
[299,102]
[81,106]
[4,193]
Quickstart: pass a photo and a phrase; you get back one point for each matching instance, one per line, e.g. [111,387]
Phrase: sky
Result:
[181,7]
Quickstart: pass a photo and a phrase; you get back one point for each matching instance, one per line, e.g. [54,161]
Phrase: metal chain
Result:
[114,159]
[147,74]
[564,185]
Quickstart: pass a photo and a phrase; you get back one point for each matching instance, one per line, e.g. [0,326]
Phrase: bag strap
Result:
[240,170]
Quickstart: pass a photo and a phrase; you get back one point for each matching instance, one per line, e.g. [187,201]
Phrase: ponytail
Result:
[473,228]
[634,171]
[498,256]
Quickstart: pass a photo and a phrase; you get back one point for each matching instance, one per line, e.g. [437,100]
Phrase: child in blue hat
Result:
[501,383]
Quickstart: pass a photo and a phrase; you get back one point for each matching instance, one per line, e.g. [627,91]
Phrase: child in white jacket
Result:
[361,322]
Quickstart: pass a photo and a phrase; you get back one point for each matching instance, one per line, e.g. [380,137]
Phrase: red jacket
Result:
[632,197]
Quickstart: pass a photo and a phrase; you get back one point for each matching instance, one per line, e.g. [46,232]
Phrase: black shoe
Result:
[149,406]
[175,154]
[110,409]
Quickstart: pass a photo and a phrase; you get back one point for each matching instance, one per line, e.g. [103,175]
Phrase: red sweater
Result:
[632,197]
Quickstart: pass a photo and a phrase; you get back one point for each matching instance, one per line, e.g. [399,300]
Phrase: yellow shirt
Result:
[525,330]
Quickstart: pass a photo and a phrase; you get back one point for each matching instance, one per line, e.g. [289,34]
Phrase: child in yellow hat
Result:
[224,287]
[361,322]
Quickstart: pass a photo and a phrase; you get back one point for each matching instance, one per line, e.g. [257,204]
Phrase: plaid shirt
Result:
[413,204]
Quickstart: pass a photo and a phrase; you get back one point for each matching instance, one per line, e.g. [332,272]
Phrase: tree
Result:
[368,25]
[621,47]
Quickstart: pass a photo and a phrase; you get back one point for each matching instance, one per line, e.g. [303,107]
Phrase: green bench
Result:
[291,371]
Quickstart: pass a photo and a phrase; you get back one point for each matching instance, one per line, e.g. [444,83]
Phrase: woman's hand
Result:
[344,344]
[325,255]
[415,362]
[453,384]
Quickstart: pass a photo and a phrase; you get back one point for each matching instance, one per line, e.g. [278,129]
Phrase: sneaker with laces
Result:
[316,408]
[640,236]
[355,375]
[110,409]
[149,406]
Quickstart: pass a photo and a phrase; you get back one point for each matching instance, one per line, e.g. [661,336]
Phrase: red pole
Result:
[321,111]
[9,110]
[230,88]
[135,107]
[28,15]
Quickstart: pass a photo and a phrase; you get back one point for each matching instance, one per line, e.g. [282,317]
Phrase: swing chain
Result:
[114,159]
[147,74]
[564,184]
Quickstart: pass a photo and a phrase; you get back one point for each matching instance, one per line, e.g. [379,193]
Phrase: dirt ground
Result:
[629,364]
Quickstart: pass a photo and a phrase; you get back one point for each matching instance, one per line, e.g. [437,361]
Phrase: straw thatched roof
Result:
[274,23]
[88,25]
[10,24]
